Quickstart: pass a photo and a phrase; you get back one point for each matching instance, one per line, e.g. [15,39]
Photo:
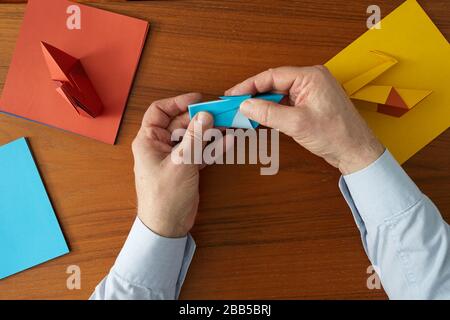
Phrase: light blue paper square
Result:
[29,231]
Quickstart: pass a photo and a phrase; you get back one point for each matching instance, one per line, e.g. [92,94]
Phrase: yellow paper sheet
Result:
[423,56]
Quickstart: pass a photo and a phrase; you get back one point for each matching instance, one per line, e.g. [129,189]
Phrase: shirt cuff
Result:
[381,190]
[153,261]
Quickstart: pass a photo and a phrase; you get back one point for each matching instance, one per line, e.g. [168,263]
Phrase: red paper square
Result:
[109,46]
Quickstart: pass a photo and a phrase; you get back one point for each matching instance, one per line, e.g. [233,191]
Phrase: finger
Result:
[220,146]
[146,145]
[182,122]
[278,80]
[192,141]
[273,115]
[179,122]
[156,134]
[162,112]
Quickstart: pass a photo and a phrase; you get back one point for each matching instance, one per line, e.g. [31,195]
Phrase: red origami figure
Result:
[72,81]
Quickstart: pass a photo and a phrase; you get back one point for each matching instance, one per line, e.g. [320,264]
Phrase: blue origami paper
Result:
[29,231]
[226,110]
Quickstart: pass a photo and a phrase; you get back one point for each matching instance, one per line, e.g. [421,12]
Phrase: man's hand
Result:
[321,117]
[167,192]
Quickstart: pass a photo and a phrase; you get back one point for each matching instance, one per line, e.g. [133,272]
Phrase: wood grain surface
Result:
[286,236]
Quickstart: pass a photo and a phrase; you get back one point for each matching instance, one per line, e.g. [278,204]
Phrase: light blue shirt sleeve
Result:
[149,267]
[402,231]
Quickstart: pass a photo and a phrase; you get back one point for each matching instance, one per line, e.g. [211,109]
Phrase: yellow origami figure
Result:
[390,100]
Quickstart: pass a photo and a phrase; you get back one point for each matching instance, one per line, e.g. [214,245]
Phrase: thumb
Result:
[191,146]
[271,114]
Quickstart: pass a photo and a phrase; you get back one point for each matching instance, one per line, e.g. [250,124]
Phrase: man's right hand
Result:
[320,117]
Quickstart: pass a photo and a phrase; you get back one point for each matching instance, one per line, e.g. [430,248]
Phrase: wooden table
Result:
[286,236]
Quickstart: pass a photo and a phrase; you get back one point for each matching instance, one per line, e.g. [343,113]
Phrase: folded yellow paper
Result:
[390,100]
[402,71]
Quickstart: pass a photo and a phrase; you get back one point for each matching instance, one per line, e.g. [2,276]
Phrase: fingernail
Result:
[204,118]
[247,104]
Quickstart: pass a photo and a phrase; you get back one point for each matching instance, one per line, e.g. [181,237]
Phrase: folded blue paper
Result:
[29,231]
[226,110]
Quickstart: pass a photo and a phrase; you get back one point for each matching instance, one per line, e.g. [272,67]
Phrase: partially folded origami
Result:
[226,110]
[390,100]
[72,82]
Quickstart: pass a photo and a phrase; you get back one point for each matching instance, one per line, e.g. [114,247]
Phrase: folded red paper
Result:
[72,82]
